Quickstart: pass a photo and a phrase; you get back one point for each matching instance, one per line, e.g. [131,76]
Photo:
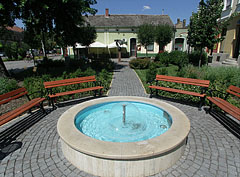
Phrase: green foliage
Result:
[11,50]
[179,58]
[225,75]
[23,49]
[103,63]
[151,73]
[139,63]
[35,84]
[220,79]
[163,58]
[145,35]
[7,85]
[162,71]
[204,25]
[194,58]
[163,35]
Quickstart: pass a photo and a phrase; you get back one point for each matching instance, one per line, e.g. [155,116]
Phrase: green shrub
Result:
[162,71]
[151,73]
[191,72]
[103,63]
[7,85]
[179,58]
[139,63]
[34,84]
[195,56]
[163,58]
[225,75]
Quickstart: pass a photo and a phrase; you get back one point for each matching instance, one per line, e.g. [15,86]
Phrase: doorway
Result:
[133,42]
[237,48]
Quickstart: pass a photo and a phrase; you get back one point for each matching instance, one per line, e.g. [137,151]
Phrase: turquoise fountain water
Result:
[123,121]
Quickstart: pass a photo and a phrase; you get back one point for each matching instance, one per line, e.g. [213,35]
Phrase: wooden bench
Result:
[15,94]
[203,84]
[91,86]
[224,104]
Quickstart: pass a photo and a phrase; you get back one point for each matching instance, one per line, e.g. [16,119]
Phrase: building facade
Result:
[231,43]
[8,35]
[181,33]
[124,27]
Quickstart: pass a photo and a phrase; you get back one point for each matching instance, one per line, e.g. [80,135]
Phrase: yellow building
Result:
[231,43]
[124,27]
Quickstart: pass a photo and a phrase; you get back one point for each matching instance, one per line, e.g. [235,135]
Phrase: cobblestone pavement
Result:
[211,149]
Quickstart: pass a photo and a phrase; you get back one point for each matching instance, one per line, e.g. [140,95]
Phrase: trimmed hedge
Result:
[139,63]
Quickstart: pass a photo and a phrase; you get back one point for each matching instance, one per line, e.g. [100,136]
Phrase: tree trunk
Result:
[200,59]
[161,48]
[3,69]
[44,45]
[74,50]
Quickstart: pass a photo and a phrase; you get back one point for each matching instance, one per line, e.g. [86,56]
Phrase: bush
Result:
[103,63]
[195,56]
[34,84]
[139,63]
[191,72]
[179,58]
[163,58]
[151,73]
[7,85]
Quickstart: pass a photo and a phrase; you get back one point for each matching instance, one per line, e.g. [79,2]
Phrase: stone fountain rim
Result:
[162,144]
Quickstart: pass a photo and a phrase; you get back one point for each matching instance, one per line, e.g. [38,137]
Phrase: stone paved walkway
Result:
[211,150]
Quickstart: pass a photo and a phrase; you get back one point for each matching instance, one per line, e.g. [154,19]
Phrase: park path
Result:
[125,81]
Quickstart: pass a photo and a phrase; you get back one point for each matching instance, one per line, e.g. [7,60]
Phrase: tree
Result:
[60,17]
[204,26]
[63,17]
[145,35]
[9,11]
[163,35]
[89,36]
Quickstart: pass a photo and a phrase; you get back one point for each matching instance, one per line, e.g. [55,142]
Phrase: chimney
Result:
[178,20]
[107,13]
[184,23]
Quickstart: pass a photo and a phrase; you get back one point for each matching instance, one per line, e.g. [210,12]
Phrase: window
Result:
[150,47]
[228,5]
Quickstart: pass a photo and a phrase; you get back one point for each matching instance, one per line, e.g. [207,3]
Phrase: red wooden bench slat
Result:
[177,91]
[65,82]
[12,98]
[226,106]
[14,113]
[69,83]
[75,91]
[234,90]
[190,81]
[13,93]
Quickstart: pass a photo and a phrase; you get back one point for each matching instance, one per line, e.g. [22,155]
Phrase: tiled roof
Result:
[128,20]
[15,28]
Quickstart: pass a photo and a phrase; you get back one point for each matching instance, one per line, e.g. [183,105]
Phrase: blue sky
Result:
[174,8]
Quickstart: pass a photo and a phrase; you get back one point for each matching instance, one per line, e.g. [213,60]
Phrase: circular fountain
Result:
[123,136]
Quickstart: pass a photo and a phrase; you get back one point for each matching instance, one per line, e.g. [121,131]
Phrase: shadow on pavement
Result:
[228,122]
[10,134]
